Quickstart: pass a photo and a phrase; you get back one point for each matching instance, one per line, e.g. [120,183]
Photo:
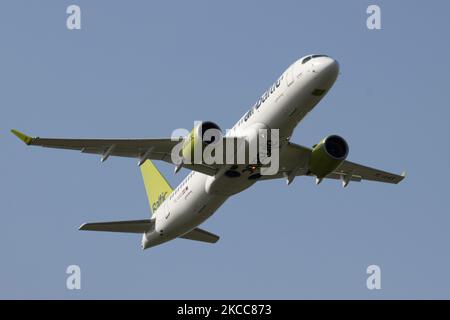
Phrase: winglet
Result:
[22,136]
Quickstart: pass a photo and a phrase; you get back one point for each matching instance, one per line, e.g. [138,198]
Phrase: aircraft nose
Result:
[326,67]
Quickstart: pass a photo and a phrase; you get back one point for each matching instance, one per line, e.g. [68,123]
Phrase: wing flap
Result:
[339,176]
[368,173]
[201,235]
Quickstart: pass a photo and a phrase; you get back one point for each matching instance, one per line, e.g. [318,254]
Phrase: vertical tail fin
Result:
[156,186]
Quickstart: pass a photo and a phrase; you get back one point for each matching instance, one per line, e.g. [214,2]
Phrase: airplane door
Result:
[289,76]
[290,109]
[166,210]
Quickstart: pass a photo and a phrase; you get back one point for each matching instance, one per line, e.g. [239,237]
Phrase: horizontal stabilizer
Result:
[132,226]
[201,235]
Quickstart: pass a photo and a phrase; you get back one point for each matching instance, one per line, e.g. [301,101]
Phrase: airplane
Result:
[177,213]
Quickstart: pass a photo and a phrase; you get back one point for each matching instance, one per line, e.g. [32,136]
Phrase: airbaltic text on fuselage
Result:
[257,147]
[263,98]
[155,205]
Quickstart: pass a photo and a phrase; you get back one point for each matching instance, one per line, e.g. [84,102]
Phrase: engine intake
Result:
[203,134]
[327,155]
[204,127]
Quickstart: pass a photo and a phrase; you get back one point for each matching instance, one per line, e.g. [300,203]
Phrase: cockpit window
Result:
[306,60]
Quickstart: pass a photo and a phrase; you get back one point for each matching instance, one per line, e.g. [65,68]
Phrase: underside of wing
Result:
[142,149]
[367,173]
[294,161]
[294,158]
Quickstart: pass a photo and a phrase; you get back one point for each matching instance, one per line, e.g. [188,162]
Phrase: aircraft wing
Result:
[294,161]
[142,149]
[294,158]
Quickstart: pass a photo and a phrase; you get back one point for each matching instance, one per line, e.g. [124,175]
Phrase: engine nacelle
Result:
[327,155]
[201,135]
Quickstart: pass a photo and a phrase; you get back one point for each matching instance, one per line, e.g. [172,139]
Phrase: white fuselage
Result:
[281,107]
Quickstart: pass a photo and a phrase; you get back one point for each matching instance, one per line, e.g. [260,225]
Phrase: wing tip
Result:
[22,136]
[82,227]
[403,176]
[215,240]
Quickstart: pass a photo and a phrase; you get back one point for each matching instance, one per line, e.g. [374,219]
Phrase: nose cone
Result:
[326,67]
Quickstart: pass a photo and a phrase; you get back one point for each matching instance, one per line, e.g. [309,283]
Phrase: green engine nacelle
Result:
[198,138]
[327,155]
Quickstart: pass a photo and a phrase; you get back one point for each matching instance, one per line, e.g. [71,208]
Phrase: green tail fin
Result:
[156,186]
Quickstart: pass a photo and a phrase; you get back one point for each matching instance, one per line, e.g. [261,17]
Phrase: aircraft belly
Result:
[189,217]
[185,213]
[230,185]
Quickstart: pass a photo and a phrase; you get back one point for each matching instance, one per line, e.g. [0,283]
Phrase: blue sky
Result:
[142,69]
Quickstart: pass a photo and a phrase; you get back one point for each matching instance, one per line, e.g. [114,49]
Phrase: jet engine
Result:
[203,134]
[327,155]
